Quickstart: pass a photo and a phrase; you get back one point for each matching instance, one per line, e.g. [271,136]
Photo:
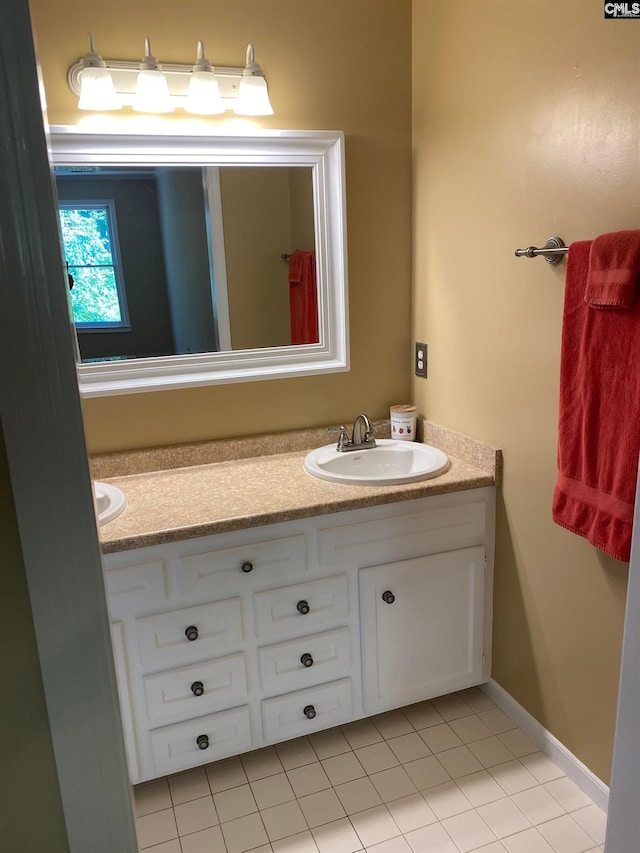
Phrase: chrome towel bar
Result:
[553,251]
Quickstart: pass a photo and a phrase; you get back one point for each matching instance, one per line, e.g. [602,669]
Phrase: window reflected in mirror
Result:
[92,259]
[188,259]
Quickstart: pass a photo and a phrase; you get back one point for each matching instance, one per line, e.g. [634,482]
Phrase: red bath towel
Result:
[614,262]
[303,298]
[599,425]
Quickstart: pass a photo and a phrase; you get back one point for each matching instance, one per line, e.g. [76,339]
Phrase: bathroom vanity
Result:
[234,640]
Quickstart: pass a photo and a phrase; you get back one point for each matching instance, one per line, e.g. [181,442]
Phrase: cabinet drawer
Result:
[403,536]
[164,642]
[195,690]
[219,572]
[303,662]
[131,589]
[294,610]
[284,717]
[176,747]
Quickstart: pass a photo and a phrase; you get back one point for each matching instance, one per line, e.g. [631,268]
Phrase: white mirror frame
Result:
[321,150]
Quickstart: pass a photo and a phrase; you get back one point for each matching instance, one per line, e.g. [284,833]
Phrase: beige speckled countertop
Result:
[185,501]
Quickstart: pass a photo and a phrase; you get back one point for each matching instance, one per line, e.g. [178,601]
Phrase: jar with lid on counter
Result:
[403,422]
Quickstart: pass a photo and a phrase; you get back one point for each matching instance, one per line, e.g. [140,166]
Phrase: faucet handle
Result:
[343,439]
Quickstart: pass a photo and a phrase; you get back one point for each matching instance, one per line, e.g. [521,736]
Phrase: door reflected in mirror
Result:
[189,259]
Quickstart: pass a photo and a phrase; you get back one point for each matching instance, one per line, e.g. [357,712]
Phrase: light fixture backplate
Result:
[125,74]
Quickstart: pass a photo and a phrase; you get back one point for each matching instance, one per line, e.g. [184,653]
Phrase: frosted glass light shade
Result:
[253,97]
[97,91]
[152,93]
[201,89]
[203,96]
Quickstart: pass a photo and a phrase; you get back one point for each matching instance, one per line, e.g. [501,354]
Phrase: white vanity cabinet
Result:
[234,641]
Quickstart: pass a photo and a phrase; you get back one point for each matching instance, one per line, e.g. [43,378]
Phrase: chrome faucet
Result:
[358,439]
[361,435]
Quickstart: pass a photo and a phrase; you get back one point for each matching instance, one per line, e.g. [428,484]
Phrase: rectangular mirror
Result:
[198,260]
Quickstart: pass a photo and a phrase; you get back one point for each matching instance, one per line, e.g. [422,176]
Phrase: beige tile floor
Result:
[453,775]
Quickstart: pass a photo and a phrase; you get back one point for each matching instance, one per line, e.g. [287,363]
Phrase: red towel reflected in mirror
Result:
[303,298]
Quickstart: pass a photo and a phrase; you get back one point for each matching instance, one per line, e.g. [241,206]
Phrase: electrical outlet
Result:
[420,364]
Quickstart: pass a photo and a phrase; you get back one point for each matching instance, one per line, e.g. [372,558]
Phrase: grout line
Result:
[351,751]
[549,745]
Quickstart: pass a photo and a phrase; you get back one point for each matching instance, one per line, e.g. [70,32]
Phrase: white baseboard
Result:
[550,745]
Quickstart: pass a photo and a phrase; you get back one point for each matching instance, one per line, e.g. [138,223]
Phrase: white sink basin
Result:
[110,501]
[388,463]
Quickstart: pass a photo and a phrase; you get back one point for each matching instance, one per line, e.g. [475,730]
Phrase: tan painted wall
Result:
[322,59]
[526,125]
[302,218]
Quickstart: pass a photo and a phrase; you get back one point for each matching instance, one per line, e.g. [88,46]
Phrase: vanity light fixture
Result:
[203,97]
[97,91]
[152,92]
[147,86]
[253,97]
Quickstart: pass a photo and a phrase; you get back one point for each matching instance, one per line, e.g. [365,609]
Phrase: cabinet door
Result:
[125,686]
[422,627]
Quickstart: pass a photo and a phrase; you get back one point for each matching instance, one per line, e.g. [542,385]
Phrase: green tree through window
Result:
[90,247]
